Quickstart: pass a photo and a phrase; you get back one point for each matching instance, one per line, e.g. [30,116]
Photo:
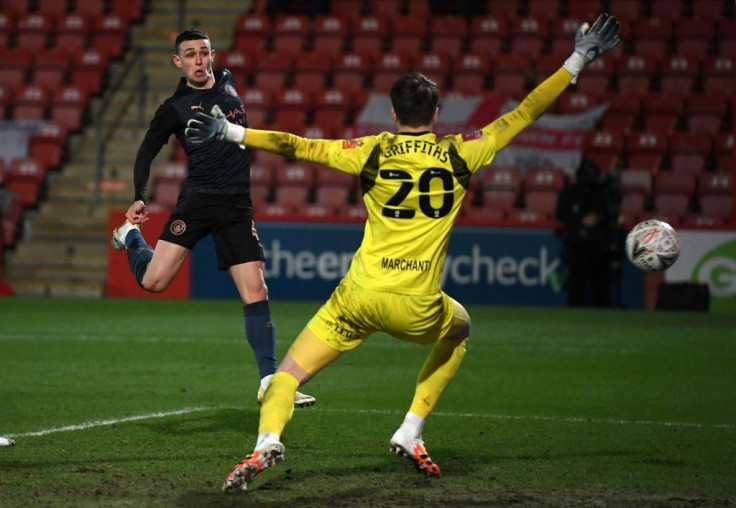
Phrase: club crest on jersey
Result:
[230,90]
[351,143]
[178,227]
[470,136]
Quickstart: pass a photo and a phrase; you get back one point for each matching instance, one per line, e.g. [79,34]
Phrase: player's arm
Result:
[163,124]
[591,43]
[203,127]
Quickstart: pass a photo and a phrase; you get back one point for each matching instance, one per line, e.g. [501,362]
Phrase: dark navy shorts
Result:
[228,218]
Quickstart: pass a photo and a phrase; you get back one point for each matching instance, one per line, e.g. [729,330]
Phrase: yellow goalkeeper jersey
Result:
[413,185]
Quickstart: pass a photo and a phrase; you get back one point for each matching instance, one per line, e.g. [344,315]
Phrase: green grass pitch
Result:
[150,403]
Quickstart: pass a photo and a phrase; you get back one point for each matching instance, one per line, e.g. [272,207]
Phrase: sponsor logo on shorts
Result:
[178,227]
[230,90]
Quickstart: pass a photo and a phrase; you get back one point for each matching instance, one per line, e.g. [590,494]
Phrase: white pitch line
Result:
[102,423]
[542,418]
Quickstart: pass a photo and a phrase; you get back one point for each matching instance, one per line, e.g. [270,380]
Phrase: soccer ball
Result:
[652,246]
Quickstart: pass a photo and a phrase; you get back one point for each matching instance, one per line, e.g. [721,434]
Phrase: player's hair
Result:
[414,98]
[191,34]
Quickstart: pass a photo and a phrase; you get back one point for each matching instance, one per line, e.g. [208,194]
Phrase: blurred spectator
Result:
[583,208]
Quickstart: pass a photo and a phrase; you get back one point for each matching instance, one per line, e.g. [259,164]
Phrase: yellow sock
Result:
[437,373]
[278,404]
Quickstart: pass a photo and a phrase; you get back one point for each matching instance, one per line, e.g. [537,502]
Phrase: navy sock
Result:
[139,254]
[261,334]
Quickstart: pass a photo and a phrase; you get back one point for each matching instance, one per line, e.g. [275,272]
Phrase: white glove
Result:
[592,42]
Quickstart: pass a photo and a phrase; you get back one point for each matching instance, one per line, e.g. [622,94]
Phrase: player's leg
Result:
[154,269]
[307,356]
[240,252]
[436,375]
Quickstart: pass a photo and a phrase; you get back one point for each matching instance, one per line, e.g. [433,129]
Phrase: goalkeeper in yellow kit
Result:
[413,184]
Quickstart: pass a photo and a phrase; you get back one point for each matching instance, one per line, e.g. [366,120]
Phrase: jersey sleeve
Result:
[510,125]
[164,123]
[344,155]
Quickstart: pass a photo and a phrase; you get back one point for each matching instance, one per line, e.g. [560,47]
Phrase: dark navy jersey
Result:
[214,167]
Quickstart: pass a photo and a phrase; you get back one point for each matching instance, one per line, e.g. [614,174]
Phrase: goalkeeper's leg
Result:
[436,375]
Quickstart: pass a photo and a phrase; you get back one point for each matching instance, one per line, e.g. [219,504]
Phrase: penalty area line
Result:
[114,421]
[441,414]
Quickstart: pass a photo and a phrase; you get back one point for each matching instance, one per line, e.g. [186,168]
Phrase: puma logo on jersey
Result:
[197,106]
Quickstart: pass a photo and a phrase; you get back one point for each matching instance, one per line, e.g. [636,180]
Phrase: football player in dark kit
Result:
[214,199]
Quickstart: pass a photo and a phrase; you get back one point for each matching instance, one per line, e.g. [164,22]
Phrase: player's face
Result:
[195,60]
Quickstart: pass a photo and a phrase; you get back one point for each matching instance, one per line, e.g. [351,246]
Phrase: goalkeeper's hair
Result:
[191,34]
[414,98]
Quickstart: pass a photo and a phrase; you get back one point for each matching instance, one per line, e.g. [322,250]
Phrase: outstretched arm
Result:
[590,43]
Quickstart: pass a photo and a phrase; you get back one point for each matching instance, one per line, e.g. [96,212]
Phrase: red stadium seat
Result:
[351,71]
[386,7]
[252,33]
[369,34]
[47,146]
[109,33]
[678,74]
[717,207]
[330,33]
[333,197]
[669,182]
[572,102]
[718,75]
[290,33]
[295,174]
[167,182]
[510,8]
[543,9]
[311,72]
[408,34]
[51,67]
[498,200]
[290,110]
[6,99]
[625,9]
[635,74]
[388,67]
[14,67]
[672,206]
[16,7]
[7,29]
[239,65]
[501,179]
[705,112]
[331,108]
[31,103]
[528,35]
[91,8]
[88,70]
[694,37]
[541,202]
[584,10]
[689,151]
[672,9]
[25,177]
[604,142]
[292,197]
[488,35]
[34,31]
[715,184]
[696,220]
[727,36]
[68,106]
[646,149]
[470,74]
[436,66]
[448,34]
[272,70]
[71,33]
[544,180]
[708,9]
[562,33]
[632,207]
[510,74]
[597,77]
[636,181]
[131,10]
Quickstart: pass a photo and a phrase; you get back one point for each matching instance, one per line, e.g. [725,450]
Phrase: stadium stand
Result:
[669,89]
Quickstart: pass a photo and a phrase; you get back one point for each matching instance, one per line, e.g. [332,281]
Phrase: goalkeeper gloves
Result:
[592,42]
[203,127]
